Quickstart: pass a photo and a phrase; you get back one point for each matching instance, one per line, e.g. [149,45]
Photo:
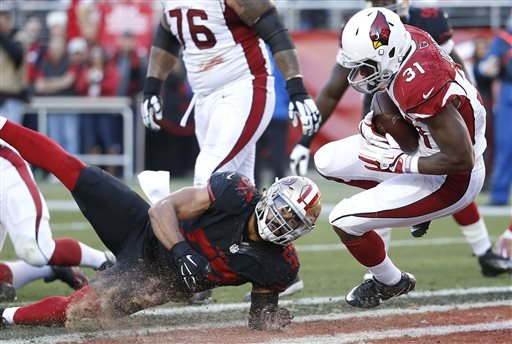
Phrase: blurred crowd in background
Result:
[100,48]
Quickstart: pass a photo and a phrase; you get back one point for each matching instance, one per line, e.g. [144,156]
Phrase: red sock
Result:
[53,310]
[5,274]
[43,152]
[467,216]
[67,253]
[368,250]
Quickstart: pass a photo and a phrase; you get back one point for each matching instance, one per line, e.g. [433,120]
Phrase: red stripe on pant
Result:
[259,100]
[22,169]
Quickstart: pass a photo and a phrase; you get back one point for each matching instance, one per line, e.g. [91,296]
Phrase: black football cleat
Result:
[371,293]
[420,229]
[71,275]
[7,292]
[493,264]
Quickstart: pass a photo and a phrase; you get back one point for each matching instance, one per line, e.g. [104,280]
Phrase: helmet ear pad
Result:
[288,209]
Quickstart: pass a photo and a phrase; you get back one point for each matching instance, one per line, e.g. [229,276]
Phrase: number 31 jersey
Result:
[426,83]
[218,48]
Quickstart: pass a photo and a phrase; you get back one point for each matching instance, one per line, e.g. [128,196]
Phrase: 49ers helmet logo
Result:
[379,31]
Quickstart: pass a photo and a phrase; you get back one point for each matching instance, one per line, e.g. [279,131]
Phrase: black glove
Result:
[193,267]
[151,107]
[303,107]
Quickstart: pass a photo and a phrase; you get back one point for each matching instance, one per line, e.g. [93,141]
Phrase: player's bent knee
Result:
[28,250]
[323,159]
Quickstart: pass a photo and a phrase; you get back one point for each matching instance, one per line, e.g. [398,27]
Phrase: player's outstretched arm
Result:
[264,314]
[185,204]
[182,205]
[263,18]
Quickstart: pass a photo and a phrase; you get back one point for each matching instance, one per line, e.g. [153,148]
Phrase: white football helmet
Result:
[288,209]
[374,43]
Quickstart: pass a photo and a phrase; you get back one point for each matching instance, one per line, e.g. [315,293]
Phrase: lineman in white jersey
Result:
[223,43]
[25,218]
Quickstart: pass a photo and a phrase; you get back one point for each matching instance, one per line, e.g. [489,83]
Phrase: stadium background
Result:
[441,261]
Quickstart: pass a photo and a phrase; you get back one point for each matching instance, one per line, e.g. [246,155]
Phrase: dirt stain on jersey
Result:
[210,64]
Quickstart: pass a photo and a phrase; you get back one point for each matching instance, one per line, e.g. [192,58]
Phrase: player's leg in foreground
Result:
[16,274]
[120,225]
[356,233]
[30,233]
[387,204]
[475,231]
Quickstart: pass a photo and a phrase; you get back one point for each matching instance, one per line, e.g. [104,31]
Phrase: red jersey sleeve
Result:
[421,83]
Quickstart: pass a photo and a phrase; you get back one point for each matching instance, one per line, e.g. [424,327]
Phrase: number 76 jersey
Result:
[218,48]
[426,83]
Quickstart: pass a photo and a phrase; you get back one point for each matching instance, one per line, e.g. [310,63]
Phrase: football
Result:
[387,119]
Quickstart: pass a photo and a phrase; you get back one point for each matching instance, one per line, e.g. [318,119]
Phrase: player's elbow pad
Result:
[272,30]
[163,39]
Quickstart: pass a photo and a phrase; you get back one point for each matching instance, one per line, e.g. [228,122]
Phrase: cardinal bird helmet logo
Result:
[379,31]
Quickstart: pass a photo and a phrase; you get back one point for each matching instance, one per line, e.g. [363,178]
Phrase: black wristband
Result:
[258,302]
[305,141]
[152,85]
[295,86]
[181,249]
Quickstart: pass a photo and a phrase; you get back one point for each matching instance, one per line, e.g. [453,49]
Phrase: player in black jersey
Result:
[197,238]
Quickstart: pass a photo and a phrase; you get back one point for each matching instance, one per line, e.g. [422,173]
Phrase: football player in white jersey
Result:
[441,178]
[223,44]
[24,217]
[472,225]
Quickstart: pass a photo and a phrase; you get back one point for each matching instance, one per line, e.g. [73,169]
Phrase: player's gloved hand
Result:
[299,160]
[303,107]
[193,267]
[369,132]
[272,318]
[151,107]
[392,159]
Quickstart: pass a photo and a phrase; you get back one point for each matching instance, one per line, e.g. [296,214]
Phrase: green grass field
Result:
[328,272]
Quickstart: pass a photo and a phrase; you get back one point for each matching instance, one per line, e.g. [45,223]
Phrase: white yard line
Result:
[362,337]
[316,301]
[340,338]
